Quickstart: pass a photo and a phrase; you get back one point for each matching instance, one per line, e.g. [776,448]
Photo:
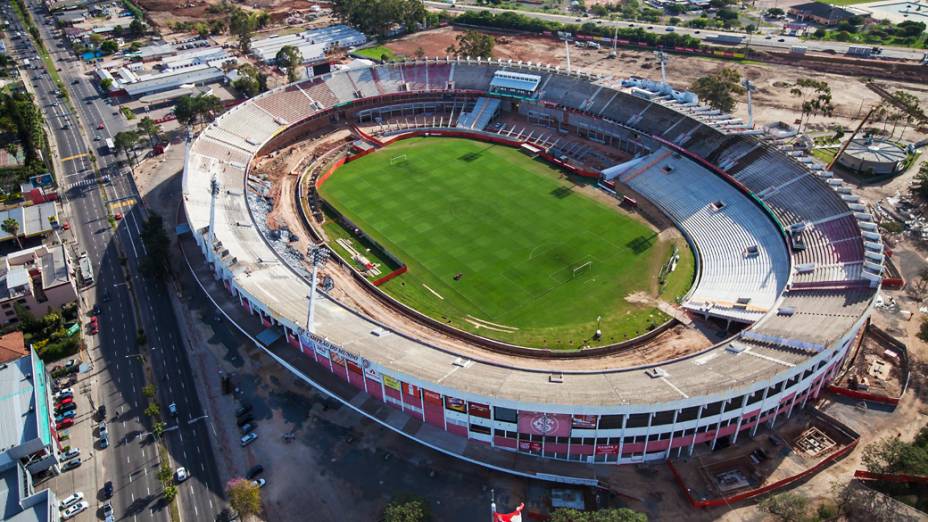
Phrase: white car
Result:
[74,510]
[75,497]
[259,482]
[70,454]
[181,475]
[66,392]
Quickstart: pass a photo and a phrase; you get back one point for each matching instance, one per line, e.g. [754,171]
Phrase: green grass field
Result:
[538,262]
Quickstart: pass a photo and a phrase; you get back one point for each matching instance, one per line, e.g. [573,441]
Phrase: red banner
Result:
[525,445]
[479,410]
[548,424]
[455,404]
[607,449]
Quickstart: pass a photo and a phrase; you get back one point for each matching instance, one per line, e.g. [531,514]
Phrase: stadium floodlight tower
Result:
[317,256]
[749,87]
[662,58]
[214,193]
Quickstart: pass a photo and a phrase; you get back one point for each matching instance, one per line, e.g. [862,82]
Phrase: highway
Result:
[759,41]
[131,460]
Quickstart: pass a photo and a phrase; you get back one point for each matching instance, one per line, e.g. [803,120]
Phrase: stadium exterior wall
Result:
[621,434]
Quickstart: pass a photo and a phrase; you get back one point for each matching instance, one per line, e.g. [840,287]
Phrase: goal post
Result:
[397,160]
[581,269]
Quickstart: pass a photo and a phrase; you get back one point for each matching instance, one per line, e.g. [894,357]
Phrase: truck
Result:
[726,39]
[798,50]
[110,146]
[860,50]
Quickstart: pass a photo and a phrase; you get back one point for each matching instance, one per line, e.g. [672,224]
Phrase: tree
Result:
[106,84]
[152,129]
[718,89]
[136,28]
[170,493]
[148,390]
[242,24]
[157,245]
[11,227]
[420,53]
[248,81]
[380,16]
[473,44]
[603,515]
[153,410]
[815,98]
[244,496]
[190,109]
[775,12]
[406,511]
[109,47]
[158,428]
[125,142]
[290,58]
[788,507]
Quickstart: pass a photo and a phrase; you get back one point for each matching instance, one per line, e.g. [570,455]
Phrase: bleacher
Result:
[390,78]
[806,199]
[319,91]
[251,123]
[811,317]
[479,117]
[290,105]
[732,283]
[438,75]
[342,87]
[472,76]
[414,76]
[364,82]
[220,151]
[566,90]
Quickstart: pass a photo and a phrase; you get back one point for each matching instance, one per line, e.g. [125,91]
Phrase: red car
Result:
[117,216]
[66,423]
[62,402]
[66,225]
[100,126]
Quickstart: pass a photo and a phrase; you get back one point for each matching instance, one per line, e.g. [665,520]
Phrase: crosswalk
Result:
[81,183]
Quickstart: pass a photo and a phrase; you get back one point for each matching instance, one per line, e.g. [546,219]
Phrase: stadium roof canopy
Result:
[514,81]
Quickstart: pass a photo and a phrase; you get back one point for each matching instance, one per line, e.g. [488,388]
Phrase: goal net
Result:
[398,160]
[581,269]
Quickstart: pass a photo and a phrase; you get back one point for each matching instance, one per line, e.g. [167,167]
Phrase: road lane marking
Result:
[75,156]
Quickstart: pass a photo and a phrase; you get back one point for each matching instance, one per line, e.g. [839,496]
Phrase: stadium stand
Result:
[479,117]
[291,105]
[795,345]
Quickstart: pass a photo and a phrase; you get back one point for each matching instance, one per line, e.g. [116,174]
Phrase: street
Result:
[131,461]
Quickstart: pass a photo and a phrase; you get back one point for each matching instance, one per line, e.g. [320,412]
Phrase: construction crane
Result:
[834,160]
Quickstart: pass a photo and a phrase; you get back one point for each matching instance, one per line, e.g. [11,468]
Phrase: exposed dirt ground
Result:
[772,100]
[165,12]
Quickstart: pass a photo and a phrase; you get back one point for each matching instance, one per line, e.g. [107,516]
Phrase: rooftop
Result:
[17,404]
[33,220]
[12,347]
[19,501]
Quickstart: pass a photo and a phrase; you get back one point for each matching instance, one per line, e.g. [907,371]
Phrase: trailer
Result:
[860,50]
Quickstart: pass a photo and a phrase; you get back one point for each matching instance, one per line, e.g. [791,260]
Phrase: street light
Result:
[318,255]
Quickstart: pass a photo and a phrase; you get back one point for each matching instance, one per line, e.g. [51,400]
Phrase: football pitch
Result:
[504,246]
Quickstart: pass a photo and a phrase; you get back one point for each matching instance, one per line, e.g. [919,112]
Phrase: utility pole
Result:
[662,58]
[318,256]
[567,48]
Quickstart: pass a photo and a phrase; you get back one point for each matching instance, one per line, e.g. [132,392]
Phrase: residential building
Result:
[12,347]
[822,14]
[39,279]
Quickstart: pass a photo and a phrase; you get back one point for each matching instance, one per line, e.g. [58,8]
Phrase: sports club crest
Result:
[546,424]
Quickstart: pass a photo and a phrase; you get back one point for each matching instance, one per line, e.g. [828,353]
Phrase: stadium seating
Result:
[220,151]
[250,122]
[319,91]
[732,283]
[390,78]
[807,199]
[364,82]
[342,87]
[478,117]
[290,105]
[414,75]
[566,90]
[438,75]
[472,77]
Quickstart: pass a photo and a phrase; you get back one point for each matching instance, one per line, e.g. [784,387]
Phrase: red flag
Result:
[515,516]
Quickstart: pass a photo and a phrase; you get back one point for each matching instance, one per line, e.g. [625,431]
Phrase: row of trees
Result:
[415,510]
[21,129]
[190,110]
[379,17]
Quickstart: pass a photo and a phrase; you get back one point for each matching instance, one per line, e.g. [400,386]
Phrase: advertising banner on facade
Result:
[390,382]
[584,422]
[548,424]
[455,404]
[320,348]
[479,410]
[607,449]
[431,396]
[371,373]
[525,445]
[410,389]
[337,359]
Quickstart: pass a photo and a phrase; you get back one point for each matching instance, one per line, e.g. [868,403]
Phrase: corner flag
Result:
[515,516]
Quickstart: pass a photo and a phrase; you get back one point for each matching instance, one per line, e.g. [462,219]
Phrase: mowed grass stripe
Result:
[515,232]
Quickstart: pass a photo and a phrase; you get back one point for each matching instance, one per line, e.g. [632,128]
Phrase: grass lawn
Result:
[376,53]
[846,2]
[501,245]
[825,155]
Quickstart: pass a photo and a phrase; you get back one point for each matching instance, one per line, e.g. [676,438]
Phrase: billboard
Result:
[453,404]
[547,424]
[479,410]
[584,422]
[390,382]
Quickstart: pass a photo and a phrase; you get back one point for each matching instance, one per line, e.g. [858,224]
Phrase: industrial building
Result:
[312,44]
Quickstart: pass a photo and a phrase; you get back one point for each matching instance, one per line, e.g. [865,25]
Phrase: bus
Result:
[85,269]
[110,146]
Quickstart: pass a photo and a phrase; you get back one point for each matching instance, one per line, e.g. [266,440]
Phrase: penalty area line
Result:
[436,294]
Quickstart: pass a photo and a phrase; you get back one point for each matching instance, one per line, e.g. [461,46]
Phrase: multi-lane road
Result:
[755,41]
[128,301]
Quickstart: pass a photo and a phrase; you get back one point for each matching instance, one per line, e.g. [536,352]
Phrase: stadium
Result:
[785,260]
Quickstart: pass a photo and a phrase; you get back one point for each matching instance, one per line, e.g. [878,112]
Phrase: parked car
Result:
[104,441]
[244,419]
[64,424]
[64,400]
[70,454]
[243,409]
[101,428]
[72,499]
[71,406]
[75,510]
[248,439]
[172,408]
[96,310]
[101,412]
[107,509]
[64,393]
[248,428]
[71,464]
[259,482]
[66,415]
[254,472]
[108,489]
[181,475]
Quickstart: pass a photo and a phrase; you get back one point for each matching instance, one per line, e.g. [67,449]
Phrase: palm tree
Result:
[148,126]
[11,227]
[125,141]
